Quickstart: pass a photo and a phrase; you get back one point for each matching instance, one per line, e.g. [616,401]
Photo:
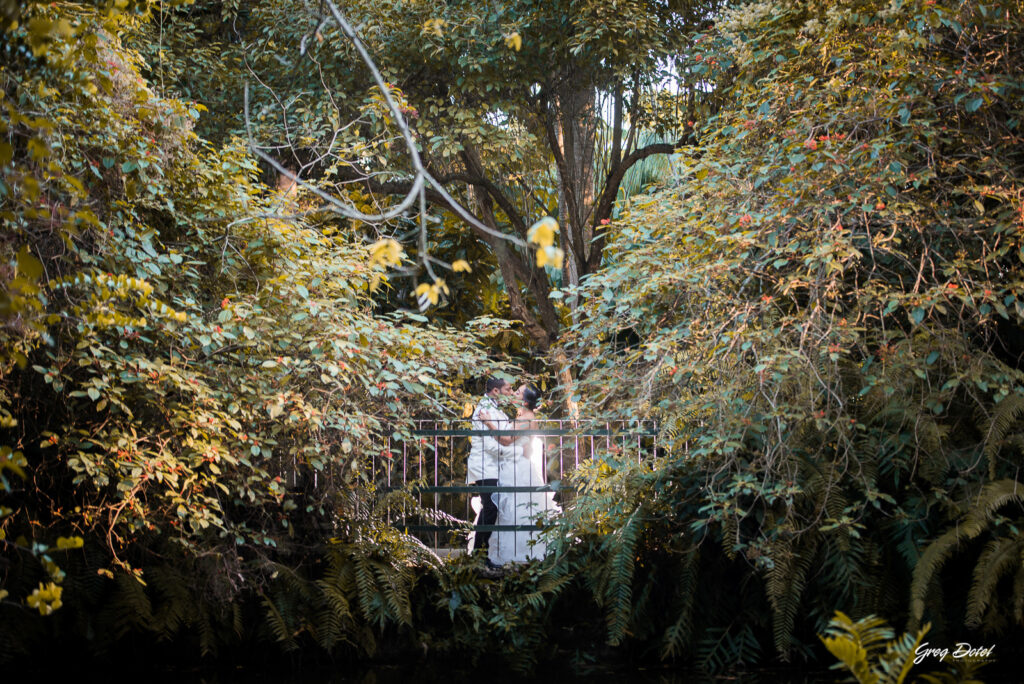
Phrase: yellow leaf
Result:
[426,290]
[434,27]
[69,542]
[514,41]
[37,148]
[46,598]
[461,265]
[550,255]
[543,232]
[386,252]
[467,410]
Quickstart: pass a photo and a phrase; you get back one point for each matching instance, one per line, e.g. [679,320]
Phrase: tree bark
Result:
[515,273]
[571,124]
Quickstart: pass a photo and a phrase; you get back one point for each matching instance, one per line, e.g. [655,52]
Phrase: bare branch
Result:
[421,185]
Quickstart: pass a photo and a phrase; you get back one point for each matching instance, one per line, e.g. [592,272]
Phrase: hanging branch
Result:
[422,180]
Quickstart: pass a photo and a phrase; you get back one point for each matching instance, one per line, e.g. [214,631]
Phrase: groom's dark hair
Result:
[493,384]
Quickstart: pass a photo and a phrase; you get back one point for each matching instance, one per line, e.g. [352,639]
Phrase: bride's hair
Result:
[531,396]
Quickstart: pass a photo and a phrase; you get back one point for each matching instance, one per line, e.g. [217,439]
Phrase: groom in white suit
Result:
[485,454]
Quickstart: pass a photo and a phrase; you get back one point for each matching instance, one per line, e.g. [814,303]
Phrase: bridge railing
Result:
[434,462]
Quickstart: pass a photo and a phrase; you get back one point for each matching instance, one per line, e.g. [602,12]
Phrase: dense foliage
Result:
[179,366]
[505,99]
[828,327]
[820,306]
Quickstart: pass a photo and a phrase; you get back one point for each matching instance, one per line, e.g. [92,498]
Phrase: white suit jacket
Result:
[485,453]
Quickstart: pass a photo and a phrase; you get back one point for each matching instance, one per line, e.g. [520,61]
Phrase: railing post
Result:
[436,495]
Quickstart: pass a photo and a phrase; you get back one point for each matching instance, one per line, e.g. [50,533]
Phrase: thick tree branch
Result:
[611,191]
[513,271]
[556,150]
[476,170]
[617,130]
[516,268]
[524,270]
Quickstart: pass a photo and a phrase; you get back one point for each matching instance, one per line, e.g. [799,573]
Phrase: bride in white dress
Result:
[522,466]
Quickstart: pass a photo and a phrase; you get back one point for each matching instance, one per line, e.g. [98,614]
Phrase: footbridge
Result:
[432,466]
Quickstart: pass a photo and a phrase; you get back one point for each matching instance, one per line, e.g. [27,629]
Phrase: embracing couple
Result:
[512,461]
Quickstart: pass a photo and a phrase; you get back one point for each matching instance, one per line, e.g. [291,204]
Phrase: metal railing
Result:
[434,462]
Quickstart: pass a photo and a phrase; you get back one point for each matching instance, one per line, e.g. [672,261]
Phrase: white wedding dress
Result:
[523,466]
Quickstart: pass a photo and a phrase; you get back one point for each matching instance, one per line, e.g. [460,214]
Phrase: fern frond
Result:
[784,615]
[129,607]
[678,633]
[993,496]
[858,645]
[1018,594]
[618,589]
[1000,555]
[207,633]
[931,561]
[720,649]
[844,567]
[335,598]
[870,633]
[553,582]
[392,582]
[930,435]
[899,656]
[177,607]
[851,654]
[534,599]
[932,461]
[729,529]
[367,593]
[328,629]
[278,625]
[995,428]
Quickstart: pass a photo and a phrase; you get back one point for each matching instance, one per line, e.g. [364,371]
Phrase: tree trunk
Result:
[514,272]
[574,122]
